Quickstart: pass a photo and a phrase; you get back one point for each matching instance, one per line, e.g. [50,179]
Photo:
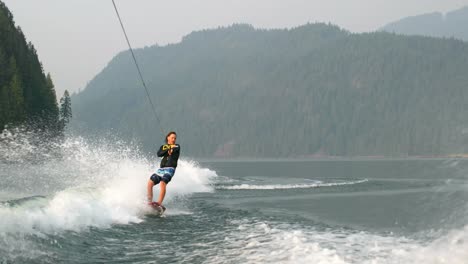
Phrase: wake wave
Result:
[287,186]
[122,201]
[83,185]
[265,242]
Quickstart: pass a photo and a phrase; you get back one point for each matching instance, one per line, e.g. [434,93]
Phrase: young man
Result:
[170,155]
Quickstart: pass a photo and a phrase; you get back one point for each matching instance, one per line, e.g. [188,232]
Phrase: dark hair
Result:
[170,133]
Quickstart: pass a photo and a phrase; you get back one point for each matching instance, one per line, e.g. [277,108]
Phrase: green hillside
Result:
[27,94]
[451,25]
[314,89]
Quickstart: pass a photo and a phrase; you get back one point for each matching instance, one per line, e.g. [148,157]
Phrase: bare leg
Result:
[162,193]
[150,190]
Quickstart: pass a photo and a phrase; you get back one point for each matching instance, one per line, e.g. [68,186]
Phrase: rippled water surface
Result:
[84,203]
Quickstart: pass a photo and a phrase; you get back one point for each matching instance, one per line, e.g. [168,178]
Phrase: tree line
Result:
[311,90]
[27,94]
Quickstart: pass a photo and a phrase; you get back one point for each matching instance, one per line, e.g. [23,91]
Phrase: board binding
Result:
[157,207]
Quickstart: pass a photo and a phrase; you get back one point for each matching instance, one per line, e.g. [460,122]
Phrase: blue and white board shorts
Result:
[163,174]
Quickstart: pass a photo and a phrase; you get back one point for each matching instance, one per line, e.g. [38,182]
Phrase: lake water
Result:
[85,204]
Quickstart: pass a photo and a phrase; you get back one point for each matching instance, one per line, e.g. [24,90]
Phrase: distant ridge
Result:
[310,91]
[451,25]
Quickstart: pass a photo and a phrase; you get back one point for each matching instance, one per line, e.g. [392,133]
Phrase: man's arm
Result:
[163,150]
[174,149]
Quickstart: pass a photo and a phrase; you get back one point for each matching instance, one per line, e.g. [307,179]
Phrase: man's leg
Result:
[154,179]
[150,191]
[162,193]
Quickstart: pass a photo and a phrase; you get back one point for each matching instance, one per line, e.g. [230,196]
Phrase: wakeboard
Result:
[160,209]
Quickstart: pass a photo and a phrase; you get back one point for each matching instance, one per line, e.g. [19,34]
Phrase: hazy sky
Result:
[75,39]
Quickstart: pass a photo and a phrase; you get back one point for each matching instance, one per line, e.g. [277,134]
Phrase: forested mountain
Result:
[453,24]
[314,89]
[27,94]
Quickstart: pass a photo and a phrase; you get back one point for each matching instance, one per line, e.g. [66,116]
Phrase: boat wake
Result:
[316,184]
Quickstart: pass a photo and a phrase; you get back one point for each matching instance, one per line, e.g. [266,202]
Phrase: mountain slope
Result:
[315,89]
[453,24]
[26,93]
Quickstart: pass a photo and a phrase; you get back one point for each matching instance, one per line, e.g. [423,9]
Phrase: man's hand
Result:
[171,149]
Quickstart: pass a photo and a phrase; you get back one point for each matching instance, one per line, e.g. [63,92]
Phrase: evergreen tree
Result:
[65,109]
[4,107]
[309,90]
[26,93]
[16,95]
[50,102]
[16,99]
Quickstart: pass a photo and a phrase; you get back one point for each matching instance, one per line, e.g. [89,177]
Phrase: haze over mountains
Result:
[311,90]
[453,24]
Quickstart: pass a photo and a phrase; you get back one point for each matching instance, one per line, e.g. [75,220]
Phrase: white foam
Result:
[287,186]
[106,185]
[254,242]
[451,248]
[263,242]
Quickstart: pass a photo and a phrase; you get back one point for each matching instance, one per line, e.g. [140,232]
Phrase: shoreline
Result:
[332,158]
